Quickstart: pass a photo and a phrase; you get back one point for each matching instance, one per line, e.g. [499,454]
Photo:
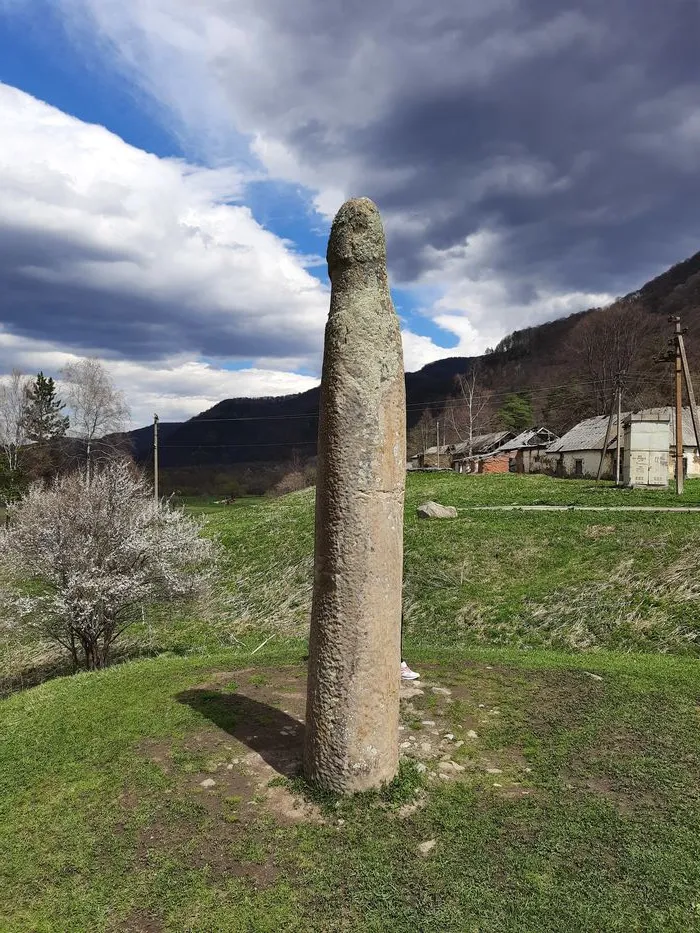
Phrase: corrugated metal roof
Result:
[532,437]
[590,434]
[433,450]
[482,443]
[586,435]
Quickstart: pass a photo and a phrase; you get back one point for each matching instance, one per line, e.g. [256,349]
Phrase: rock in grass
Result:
[435,510]
[426,847]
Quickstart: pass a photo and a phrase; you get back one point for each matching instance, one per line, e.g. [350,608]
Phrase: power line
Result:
[417,405]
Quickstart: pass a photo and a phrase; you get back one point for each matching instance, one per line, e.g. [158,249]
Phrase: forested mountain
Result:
[564,369]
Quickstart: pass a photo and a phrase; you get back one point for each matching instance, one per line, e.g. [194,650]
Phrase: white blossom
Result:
[88,551]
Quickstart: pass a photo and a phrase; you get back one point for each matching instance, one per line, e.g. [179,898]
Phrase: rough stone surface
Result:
[435,510]
[351,741]
[425,848]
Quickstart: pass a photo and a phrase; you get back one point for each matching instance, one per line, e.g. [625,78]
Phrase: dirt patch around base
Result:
[239,767]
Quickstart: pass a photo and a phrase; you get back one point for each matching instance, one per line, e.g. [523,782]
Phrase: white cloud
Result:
[154,248]
[175,388]
[478,304]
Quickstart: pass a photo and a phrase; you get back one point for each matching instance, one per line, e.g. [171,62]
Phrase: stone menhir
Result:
[352,712]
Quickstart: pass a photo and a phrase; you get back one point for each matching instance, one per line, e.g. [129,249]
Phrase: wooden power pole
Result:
[679,409]
[678,357]
[618,477]
[616,404]
[155,457]
[437,438]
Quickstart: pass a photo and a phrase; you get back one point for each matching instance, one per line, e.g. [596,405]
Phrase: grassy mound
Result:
[159,795]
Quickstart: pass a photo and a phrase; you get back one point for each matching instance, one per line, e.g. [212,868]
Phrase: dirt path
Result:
[578,508]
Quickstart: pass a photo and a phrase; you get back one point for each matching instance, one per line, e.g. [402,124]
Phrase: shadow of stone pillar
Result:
[353,689]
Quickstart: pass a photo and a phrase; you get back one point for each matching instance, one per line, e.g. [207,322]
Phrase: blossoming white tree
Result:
[96,549]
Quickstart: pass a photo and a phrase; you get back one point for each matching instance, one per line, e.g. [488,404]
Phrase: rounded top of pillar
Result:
[357,235]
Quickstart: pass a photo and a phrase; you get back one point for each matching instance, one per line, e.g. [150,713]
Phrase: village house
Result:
[483,455]
[528,451]
[578,452]
[431,457]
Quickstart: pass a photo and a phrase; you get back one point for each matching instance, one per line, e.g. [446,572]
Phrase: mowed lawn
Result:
[161,795]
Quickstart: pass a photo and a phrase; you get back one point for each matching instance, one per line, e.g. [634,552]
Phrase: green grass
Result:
[590,823]
[568,580]
[103,825]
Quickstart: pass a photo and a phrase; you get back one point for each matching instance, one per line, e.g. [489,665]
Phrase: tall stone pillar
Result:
[354,654]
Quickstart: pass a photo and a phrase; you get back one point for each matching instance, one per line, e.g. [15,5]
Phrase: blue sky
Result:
[170,171]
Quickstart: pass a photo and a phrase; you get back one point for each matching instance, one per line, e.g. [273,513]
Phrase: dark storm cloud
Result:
[571,132]
[561,126]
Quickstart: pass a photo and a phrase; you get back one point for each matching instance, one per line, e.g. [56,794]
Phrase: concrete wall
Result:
[692,461]
[646,453]
[590,460]
[535,460]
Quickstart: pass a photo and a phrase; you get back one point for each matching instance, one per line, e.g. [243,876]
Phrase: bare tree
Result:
[14,401]
[422,434]
[96,406]
[468,419]
[98,549]
[610,341]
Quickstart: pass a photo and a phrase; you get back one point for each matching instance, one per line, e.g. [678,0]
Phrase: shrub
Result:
[90,550]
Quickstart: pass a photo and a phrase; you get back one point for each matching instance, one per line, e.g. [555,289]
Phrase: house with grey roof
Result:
[504,452]
[528,451]
[578,452]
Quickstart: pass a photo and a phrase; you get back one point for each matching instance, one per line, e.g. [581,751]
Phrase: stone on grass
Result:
[426,847]
[435,510]
[208,783]
[354,649]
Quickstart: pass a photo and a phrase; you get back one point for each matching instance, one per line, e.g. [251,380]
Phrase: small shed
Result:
[646,450]
[431,457]
[528,451]
[469,457]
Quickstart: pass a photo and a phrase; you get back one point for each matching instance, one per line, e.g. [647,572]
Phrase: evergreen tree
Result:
[43,418]
[516,412]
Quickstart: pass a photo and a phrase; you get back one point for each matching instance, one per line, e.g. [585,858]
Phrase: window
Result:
[578,467]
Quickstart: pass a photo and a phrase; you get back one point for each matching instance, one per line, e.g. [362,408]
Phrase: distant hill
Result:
[564,366]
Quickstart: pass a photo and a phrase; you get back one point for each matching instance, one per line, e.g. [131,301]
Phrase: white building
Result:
[646,451]
[578,452]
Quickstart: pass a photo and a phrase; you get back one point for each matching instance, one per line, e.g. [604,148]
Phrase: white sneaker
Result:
[407,673]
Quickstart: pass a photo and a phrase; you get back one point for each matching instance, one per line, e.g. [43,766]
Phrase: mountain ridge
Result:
[551,362]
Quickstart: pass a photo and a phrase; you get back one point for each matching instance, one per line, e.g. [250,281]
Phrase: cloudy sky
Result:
[169,170]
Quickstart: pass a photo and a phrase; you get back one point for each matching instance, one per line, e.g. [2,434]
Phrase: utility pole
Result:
[619,429]
[679,408]
[608,437]
[678,357]
[689,387]
[437,428]
[155,457]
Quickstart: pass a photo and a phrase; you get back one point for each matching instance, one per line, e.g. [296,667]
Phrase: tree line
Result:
[43,432]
